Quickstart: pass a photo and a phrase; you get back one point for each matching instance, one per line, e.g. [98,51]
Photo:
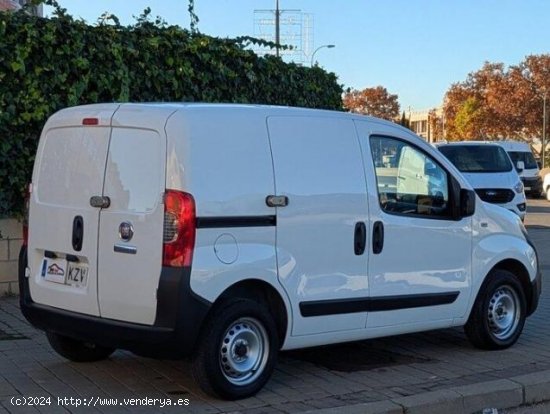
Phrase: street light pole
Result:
[316,50]
[543,149]
[277,28]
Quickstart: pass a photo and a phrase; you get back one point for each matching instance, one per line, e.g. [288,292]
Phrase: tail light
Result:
[179,229]
[26,215]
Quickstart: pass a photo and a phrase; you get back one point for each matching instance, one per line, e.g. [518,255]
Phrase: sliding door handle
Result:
[360,238]
[377,237]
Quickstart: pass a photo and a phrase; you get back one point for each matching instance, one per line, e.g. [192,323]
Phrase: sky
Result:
[416,49]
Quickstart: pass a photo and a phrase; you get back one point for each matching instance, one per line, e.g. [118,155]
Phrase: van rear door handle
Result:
[78,233]
[276,201]
[122,248]
[100,201]
[360,238]
[377,237]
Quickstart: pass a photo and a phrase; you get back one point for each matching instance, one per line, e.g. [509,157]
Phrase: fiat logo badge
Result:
[125,231]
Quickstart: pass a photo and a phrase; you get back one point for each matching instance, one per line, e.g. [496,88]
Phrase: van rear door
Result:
[131,229]
[63,226]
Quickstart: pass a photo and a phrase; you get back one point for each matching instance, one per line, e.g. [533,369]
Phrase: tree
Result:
[496,102]
[405,121]
[469,118]
[435,125]
[193,18]
[467,106]
[372,101]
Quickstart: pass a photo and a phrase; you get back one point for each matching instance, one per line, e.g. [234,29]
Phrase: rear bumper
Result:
[180,314]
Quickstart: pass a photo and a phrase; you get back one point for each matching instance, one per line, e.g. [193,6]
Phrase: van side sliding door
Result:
[322,228]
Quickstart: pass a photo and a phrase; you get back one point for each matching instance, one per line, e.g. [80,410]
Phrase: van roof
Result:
[515,146]
[271,109]
[507,145]
[256,108]
[470,143]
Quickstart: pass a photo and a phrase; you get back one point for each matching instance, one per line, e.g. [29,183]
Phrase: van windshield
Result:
[477,158]
[526,157]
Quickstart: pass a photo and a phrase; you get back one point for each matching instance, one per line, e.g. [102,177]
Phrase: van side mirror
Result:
[520,166]
[539,164]
[467,202]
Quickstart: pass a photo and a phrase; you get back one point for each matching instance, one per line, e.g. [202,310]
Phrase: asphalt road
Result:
[538,222]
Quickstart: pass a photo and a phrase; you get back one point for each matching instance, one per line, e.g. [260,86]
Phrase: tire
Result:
[237,350]
[77,351]
[498,314]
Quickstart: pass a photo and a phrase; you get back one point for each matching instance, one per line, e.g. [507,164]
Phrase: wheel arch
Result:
[519,270]
[259,291]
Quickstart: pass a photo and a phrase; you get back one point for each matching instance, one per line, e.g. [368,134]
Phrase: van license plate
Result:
[54,270]
[527,188]
[77,274]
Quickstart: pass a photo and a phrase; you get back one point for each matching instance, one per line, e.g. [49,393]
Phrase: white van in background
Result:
[522,157]
[229,232]
[489,169]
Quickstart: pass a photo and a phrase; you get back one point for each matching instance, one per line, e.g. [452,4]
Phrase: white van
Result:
[526,166]
[229,232]
[489,170]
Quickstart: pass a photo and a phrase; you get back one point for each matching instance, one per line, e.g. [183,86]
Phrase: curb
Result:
[503,393]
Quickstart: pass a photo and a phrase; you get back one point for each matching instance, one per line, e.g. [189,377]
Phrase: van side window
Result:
[409,181]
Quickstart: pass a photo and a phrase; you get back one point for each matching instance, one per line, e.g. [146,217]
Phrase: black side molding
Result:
[235,221]
[375,304]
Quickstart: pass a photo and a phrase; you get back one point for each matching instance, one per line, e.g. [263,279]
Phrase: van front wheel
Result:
[237,350]
[498,314]
[77,351]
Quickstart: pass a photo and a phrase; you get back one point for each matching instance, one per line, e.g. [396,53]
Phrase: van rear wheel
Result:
[498,315]
[77,351]
[237,350]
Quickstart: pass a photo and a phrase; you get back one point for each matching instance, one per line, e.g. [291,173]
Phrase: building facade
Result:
[429,124]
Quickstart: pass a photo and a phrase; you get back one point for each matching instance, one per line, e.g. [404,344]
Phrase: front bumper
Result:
[536,284]
[180,314]
[532,185]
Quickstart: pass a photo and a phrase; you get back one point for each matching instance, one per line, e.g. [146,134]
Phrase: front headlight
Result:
[519,187]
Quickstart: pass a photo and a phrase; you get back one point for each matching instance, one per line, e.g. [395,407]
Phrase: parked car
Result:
[526,166]
[546,186]
[229,232]
[489,169]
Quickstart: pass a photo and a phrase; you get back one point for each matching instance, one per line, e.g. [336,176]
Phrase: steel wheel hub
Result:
[244,351]
[504,312]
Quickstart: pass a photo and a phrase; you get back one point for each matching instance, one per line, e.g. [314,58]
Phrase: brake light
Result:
[90,121]
[26,215]
[179,229]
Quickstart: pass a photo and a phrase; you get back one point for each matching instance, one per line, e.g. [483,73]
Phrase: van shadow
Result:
[538,209]
[377,354]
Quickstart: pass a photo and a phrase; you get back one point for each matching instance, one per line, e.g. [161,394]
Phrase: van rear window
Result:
[72,165]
